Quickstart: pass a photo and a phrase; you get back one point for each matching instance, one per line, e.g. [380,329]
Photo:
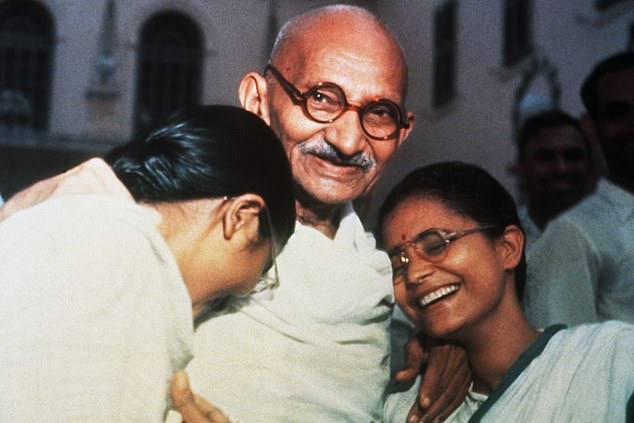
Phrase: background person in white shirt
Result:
[554,169]
[580,270]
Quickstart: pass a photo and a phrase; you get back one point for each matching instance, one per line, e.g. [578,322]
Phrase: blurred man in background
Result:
[554,169]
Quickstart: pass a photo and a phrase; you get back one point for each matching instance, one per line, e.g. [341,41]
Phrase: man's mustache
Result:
[325,151]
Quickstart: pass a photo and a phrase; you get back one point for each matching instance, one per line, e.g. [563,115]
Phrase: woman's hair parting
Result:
[210,152]
[466,189]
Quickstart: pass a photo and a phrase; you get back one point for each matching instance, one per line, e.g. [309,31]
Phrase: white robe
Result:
[315,349]
[94,314]
[582,374]
[581,270]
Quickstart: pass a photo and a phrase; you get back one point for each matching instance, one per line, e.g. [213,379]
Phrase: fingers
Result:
[447,400]
[444,386]
[180,392]
[416,415]
[192,408]
[415,358]
[434,377]
[453,400]
[210,412]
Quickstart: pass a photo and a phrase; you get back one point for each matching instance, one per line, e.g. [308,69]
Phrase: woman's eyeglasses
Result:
[430,245]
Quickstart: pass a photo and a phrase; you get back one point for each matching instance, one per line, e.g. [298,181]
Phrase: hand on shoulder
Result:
[91,176]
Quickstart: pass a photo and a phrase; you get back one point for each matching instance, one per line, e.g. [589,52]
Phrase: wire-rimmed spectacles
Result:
[431,245]
[325,102]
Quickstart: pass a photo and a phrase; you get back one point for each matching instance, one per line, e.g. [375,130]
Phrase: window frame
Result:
[27,52]
[445,53]
[517,31]
[169,68]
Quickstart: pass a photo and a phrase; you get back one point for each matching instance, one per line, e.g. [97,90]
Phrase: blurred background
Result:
[78,77]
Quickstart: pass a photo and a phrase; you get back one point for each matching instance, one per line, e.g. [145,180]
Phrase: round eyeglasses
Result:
[326,102]
[430,245]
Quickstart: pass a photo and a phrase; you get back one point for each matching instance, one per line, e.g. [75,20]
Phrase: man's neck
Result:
[541,216]
[540,219]
[324,218]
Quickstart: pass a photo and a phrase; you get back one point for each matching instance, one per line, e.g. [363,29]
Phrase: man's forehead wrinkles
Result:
[362,72]
[357,86]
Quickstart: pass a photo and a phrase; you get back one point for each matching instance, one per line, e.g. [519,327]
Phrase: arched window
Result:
[518,31]
[168,69]
[26,54]
[444,72]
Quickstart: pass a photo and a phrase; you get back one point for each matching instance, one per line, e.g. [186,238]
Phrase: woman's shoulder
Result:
[596,333]
[79,224]
[602,344]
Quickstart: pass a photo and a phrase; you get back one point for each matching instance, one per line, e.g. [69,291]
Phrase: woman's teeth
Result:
[437,294]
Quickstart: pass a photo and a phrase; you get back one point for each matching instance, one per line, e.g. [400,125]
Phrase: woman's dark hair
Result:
[466,189]
[210,152]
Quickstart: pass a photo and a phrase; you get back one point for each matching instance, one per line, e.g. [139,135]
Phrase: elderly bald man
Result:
[317,347]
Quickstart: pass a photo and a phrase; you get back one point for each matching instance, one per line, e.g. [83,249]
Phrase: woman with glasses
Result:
[98,292]
[456,247]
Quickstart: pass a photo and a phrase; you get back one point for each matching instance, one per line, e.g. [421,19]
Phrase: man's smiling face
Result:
[334,163]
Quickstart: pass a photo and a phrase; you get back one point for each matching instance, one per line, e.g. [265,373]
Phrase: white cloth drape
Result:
[94,315]
[315,349]
[582,374]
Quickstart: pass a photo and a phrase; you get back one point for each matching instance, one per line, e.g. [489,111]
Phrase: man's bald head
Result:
[335,55]
[337,26]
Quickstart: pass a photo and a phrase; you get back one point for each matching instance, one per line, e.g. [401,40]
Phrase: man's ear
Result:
[241,216]
[512,246]
[405,132]
[253,95]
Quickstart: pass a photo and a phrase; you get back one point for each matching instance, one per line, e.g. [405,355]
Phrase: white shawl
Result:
[315,349]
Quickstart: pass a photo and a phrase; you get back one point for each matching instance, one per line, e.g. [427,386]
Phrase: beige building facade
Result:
[80,76]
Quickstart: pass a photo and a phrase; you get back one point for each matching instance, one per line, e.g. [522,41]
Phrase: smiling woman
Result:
[99,291]
[456,247]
